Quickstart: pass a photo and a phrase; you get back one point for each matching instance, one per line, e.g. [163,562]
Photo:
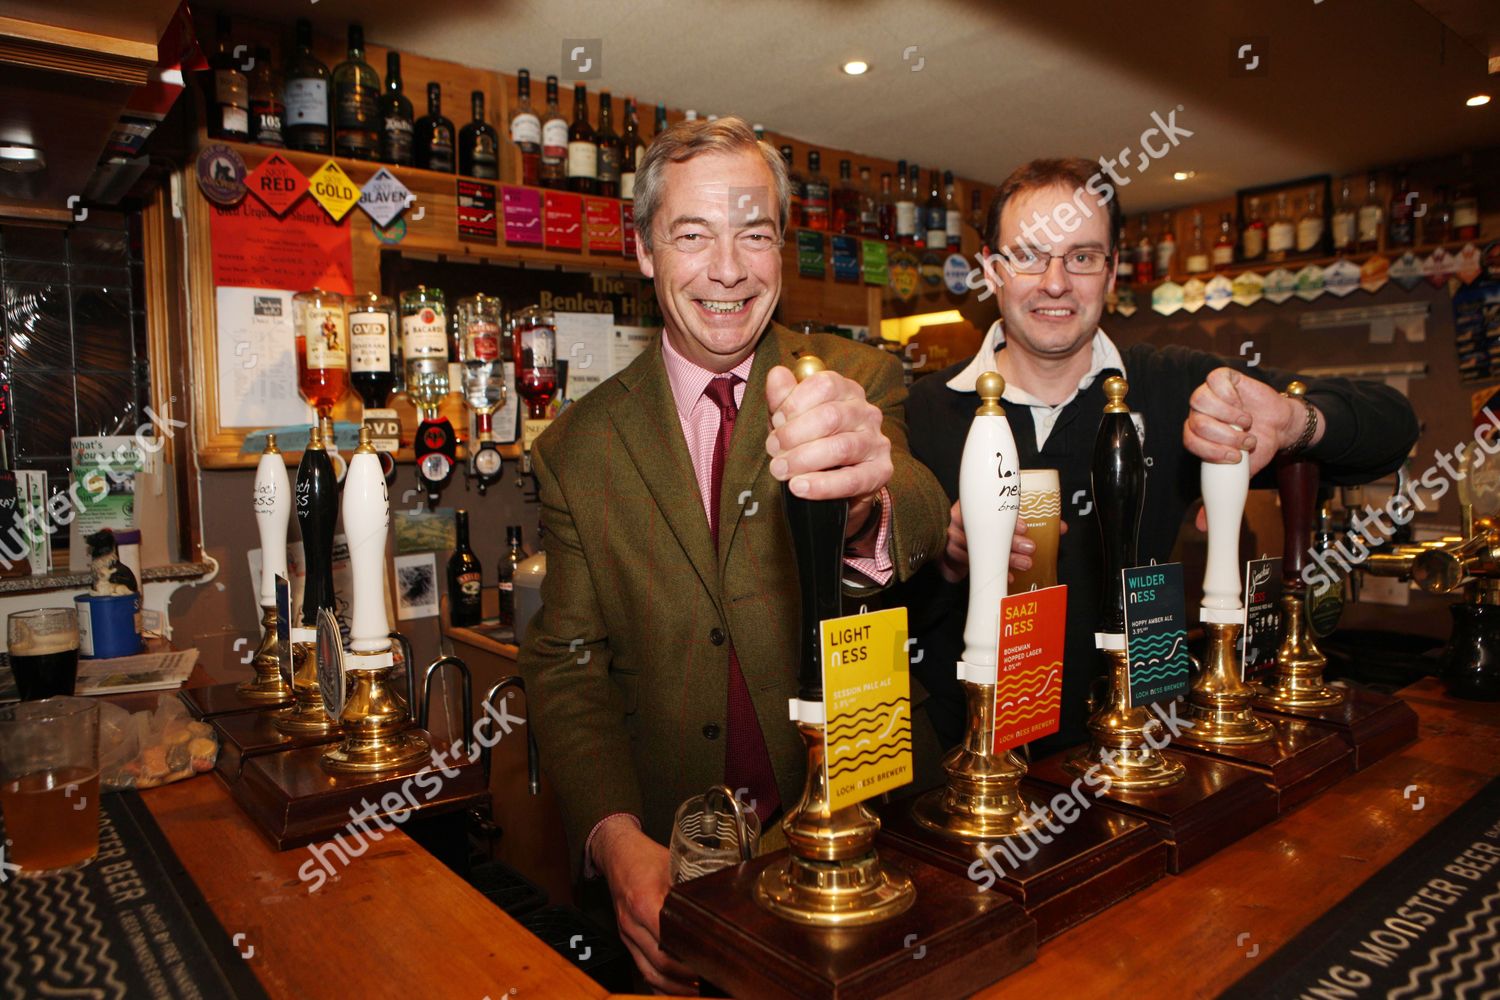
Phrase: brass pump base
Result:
[831,876]
[1298,678]
[1219,703]
[1118,744]
[268,684]
[377,730]
[306,716]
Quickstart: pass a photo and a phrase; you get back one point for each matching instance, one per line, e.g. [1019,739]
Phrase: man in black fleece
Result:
[1051,282]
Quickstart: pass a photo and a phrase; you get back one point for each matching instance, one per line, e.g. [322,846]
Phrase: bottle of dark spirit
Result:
[372,336]
[631,152]
[552,171]
[846,201]
[228,90]
[478,144]
[583,155]
[906,207]
[918,206]
[937,214]
[526,130]
[953,215]
[395,116]
[465,578]
[433,135]
[1371,217]
[1437,224]
[796,190]
[885,210]
[815,196]
[610,151]
[512,557]
[356,103]
[266,109]
[306,95]
[1401,231]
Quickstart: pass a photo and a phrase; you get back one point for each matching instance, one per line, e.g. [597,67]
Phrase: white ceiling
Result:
[1342,84]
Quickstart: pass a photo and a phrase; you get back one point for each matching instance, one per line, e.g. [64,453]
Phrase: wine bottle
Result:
[395,116]
[306,97]
[885,210]
[465,578]
[937,215]
[906,207]
[954,217]
[869,210]
[607,142]
[266,108]
[478,144]
[630,154]
[433,135]
[356,102]
[513,556]
[583,155]
[229,90]
[526,129]
[553,169]
[796,190]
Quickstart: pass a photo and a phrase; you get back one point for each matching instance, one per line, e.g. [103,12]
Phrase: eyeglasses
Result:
[1027,261]
[752,241]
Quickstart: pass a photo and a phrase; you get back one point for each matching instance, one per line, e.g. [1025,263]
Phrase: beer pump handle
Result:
[1297,482]
[1225,488]
[317,511]
[989,494]
[1119,485]
[273,509]
[366,509]
[817,528]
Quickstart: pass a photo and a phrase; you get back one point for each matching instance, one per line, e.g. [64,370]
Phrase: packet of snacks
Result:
[149,748]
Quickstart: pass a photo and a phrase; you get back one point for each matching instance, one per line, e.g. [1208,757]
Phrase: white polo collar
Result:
[1104,356]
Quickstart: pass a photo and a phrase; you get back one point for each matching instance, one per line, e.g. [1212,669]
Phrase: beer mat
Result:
[1427,925]
[130,923]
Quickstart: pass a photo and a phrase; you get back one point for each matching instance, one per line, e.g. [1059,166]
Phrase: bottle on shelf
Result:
[869,208]
[1125,265]
[372,348]
[796,189]
[1166,247]
[1145,255]
[552,169]
[1281,234]
[465,577]
[1437,223]
[583,155]
[1253,237]
[936,224]
[478,335]
[1401,230]
[1371,217]
[976,212]
[356,102]
[630,150]
[424,348]
[433,135]
[228,89]
[610,149]
[1197,254]
[846,201]
[513,556]
[526,129]
[478,143]
[1310,224]
[1466,203]
[815,194]
[533,333]
[322,348]
[953,224]
[1223,252]
[1344,232]
[906,207]
[306,96]
[885,210]
[918,209]
[266,108]
[396,128]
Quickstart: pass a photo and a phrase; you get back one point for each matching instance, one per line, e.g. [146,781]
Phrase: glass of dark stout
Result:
[44,651]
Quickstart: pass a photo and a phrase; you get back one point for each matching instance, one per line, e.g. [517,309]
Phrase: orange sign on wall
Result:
[303,249]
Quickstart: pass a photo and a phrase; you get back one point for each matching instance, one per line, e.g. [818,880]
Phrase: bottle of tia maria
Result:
[552,171]
[356,103]
[512,558]
[465,579]
[395,116]
[306,97]
[228,91]
[372,331]
[526,129]
[432,136]
[478,144]
[583,155]
[266,108]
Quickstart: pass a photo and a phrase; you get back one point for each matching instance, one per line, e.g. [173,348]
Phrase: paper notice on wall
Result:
[257,359]
[629,343]
[252,248]
[586,342]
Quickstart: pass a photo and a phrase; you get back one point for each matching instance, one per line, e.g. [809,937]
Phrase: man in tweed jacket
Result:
[633,663]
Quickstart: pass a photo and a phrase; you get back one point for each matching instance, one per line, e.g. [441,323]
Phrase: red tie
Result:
[747,763]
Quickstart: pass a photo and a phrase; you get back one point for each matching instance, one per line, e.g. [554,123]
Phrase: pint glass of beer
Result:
[44,651]
[1041,511]
[49,783]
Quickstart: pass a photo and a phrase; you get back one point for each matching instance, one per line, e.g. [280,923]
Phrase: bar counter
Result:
[396,922]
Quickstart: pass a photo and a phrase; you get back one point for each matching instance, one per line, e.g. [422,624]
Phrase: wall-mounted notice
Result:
[304,249]
[257,359]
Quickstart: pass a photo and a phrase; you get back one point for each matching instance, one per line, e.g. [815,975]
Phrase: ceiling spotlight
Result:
[1184,175]
[20,158]
[856,67]
[1478,100]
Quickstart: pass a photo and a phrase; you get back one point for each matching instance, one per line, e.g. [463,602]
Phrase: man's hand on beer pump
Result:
[954,562]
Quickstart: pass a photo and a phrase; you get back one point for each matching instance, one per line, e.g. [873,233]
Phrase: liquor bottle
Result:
[322,348]
[918,207]
[796,190]
[478,144]
[424,343]
[1370,218]
[432,136]
[1125,267]
[583,155]
[1437,224]
[306,95]
[478,336]
[372,334]
[266,109]
[869,208]
[465,577]
[1401,231]
[1310,224]
[1166,247]
[631,152]
[1344,232]
[610,152]
[1223,252]
[846,201]
[1253,238]
[1466,204]
[1197,255]
[885,210]
[1145,256]
[906,207]
[1281,235]
[395,116]
[356,102]
[526,129]
[229,90]
[552,171]
[936,225]
[954,221]
[512,558]
[533,333]
[815,195]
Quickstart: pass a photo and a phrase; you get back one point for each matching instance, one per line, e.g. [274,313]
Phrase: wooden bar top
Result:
[397,923]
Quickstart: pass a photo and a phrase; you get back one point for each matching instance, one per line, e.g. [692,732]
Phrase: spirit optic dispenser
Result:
[424,336]
[484,380]
[322,348]
[273,509]
[534,338]
[374,363]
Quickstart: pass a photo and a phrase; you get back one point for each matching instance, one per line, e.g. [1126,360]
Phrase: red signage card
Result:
[1028,684]
[277,183]
[627,219]
[562,221]
[305,249]
[603,215]
[523,215]
[476,211]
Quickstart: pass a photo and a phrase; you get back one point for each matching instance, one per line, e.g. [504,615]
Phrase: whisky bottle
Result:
[266,109]
[1281,235]
[815,198]
[1223,253]
[1253,238]
[1125,265]
[478,144]
[432,135]
[228,90]
[1166,247]
[372,331]
[306,97]
[583,155]
[526,130]
[631,151]
[1197,256]
[322,348]
[607,143]
[1371,216]
[1145,256]
[552,170]
[1310,225]
[906,207]
[1344,232]
[885,210]
[869,210]
[936,221]
[918,208]
[1401,230]
[356,102]
[395,116]
[846,201]
[954,217]
[465,578]
[796,190]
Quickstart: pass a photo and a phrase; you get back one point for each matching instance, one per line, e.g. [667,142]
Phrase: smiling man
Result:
[665,652]
[1051,269]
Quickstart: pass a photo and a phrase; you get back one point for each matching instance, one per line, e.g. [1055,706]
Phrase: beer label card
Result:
[1262,635]
[562,221]
[867,700]
[845,257]
[476,211]
[523,215]
[810,260]
[1156,633]
[1028,678]
[875,265]
[603,215]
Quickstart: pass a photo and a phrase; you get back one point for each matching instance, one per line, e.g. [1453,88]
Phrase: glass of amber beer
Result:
[1041,512]
[49,783]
